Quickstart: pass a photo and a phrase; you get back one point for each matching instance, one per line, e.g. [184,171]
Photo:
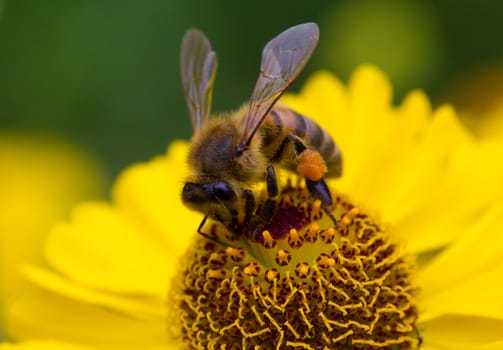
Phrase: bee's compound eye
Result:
[223,191]
[188,188]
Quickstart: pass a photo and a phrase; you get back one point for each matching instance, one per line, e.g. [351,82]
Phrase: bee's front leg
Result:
[257,221]
[200,231]
[249,205]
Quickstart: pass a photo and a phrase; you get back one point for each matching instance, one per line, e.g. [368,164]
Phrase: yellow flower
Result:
[41,178]
[132,273]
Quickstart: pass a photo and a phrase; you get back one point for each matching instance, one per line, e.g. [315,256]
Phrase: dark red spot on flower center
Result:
[284,219]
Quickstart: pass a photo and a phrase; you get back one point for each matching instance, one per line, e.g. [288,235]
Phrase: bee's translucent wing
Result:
[198,66]
[283,58]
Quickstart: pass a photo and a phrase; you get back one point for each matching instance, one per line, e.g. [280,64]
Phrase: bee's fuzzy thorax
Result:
[213,151]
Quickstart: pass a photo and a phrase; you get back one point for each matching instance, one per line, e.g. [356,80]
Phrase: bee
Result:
[232,152]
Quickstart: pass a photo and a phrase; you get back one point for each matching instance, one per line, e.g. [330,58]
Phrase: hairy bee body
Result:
[231,152]
[212,156]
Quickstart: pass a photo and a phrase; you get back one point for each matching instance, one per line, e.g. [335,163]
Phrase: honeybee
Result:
[231,152]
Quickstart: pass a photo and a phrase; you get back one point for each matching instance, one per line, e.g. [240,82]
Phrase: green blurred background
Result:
[105,73]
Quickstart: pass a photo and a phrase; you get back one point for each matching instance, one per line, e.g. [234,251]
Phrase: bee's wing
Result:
[283,58]
[198,66]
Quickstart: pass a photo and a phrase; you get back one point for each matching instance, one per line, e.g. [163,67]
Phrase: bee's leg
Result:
[214,239]
[267,210]
[319,190]
[249,205]
[200,231]
[316,185]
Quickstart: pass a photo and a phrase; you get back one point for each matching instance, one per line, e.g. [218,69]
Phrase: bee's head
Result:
[212,152]
[217,197]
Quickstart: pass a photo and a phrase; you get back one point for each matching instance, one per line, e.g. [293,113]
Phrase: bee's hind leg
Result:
[310,166]
[319,190]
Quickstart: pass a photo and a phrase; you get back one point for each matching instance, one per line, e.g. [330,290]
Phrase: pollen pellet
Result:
[345,287]
[311,165]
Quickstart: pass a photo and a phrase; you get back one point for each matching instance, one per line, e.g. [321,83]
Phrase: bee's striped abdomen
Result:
[288,122]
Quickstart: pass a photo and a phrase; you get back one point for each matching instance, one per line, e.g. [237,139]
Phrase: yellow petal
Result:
[103,248]
[429,203]
[479,295]
[150,194]
[42,345]
[457,332]
[41,178]
[39,314]
[365,128]
[139,307]
[483,246]
[466,277]
[58,345]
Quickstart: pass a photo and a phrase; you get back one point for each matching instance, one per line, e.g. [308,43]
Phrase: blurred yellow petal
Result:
[459,332]
[481,295]
[157,182]
[103,248]
[78,322]
[41,177]
[42,345]
[57,345]
[146,307]
[471,270]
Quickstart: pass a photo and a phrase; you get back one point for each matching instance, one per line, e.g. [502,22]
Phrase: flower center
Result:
[307,284]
